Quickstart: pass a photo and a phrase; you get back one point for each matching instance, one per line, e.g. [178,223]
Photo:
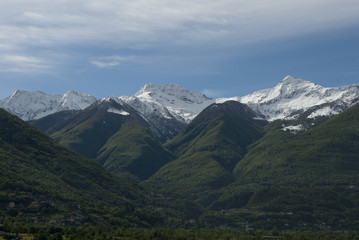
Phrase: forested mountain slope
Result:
[43,181]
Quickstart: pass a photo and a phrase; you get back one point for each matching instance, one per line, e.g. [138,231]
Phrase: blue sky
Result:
[220,48]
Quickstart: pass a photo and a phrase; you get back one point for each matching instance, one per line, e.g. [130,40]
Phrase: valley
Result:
[284,158]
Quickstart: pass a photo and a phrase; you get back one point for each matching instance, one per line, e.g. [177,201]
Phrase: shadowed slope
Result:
[37,173]
[207,150]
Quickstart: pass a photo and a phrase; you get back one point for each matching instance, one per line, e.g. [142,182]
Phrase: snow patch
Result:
[116,111]
[294,129]
[326,111]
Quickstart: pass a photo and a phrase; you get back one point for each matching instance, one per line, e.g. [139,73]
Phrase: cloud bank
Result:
[33,32]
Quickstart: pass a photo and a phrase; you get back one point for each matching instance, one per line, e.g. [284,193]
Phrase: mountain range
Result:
[284,157]
[170,107]
[35,105]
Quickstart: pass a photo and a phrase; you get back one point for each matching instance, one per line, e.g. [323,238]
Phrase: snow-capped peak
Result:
[292,83]
[170,92]
[73,100]
[168,100]
[162,105]
[293,96]
[35,105]
[167,107]
[23,95]
[291,79]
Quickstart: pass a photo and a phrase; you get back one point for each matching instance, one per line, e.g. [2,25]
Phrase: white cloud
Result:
[19,63]
[105,64]
[5,47]
[20,59]
[123,22]
[148,24]
[113,61]
[213,93]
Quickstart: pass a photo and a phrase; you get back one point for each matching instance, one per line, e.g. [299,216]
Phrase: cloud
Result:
[19,63]
[153,25]
[5,47]
[114,60]
[213,93]
[20,59]
[153,21]
[105,64]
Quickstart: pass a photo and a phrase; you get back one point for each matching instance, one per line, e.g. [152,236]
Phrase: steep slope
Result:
[293,96]
[304,179]
[89,130]
[326,154]
[133,152]
[113,134]
[224,128]
[207,150]
[168,107]
[42,181]
[35,105]
[54,122]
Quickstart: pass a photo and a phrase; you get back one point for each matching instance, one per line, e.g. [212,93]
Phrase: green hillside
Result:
[122,143]
[228,168]
[41,181]
[133,152]
[308,179]
[54,122]
[325,155]
[303,180]
[88,131]
[207,150]
[223,129]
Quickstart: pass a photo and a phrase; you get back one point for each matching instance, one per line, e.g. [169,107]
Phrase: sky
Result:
[220,48]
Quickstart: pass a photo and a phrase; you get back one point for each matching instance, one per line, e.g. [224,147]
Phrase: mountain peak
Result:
[74,92]
[169,107]
[175,90]
[24,93]
[295,82]
[171,101]
[19,91]
[181,103]
[73,100]
[35,105]
[288,78]
[293,96]
[154,86]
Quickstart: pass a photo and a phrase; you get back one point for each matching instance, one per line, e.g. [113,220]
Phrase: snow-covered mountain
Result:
[293,96]
[168,100]
[170,107]
[35,105]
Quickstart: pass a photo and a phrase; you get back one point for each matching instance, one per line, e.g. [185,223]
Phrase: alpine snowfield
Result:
[35,105]
[293,96]
[169,105]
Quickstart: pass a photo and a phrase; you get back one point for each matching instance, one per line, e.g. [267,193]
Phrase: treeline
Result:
[41,232]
